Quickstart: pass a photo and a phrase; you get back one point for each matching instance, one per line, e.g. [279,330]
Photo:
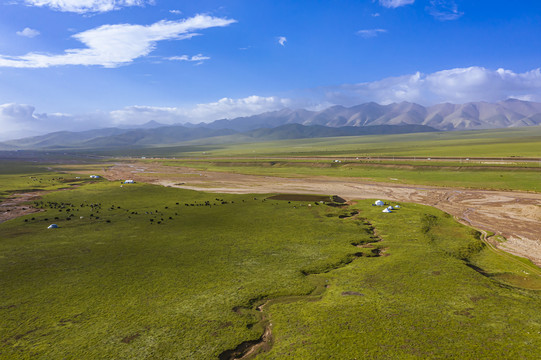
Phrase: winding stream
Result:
[250,348]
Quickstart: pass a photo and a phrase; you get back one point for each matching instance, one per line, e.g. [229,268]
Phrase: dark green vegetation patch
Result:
[307,197]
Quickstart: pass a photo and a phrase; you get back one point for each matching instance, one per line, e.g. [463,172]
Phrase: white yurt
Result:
[379,203]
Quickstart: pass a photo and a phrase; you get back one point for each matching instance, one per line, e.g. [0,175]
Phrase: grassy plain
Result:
[134,275]
[511,142]
[18,177]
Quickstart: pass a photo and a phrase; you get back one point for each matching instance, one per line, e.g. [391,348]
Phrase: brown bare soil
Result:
[15,206]
[511,214]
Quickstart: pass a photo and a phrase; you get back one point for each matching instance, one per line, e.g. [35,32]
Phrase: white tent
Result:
[94,176]
[397,206]
[379,203]
[386,210]
[52,226]
[390,208]
[129,182]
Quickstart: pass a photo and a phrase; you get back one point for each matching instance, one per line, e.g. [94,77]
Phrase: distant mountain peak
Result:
[151,125]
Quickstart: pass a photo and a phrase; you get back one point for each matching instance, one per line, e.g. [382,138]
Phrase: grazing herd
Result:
[106,213]
[68,211]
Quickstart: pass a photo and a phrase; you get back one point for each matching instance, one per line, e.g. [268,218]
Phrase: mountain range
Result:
[446,116]
[365,119]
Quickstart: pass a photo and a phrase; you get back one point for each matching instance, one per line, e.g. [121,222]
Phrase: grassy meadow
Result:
[149,272]
[510,142]
[20,177]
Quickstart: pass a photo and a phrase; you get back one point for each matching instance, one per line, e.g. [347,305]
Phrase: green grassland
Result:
[511,142]
[493,143]
[18,177]
[148,272]
[421,301]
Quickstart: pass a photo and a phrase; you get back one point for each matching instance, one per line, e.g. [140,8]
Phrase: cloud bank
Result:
[223,108]
[20,120]
[457,85]
[115,45]
[86,6]
[454,85]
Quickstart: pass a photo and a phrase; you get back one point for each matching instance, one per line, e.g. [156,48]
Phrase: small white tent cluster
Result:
[94,176]
[390,209]
[129,182]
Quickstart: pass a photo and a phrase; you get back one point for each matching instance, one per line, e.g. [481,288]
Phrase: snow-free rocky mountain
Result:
[365,119]
[446,116]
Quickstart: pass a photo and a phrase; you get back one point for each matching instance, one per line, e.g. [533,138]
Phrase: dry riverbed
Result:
[514,215]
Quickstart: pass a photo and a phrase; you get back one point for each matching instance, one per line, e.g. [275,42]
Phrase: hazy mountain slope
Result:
[63,138]
[298,131]
[158,136]
[171,135]
[265,120]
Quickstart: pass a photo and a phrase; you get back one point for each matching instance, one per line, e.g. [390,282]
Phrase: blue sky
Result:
[76,64]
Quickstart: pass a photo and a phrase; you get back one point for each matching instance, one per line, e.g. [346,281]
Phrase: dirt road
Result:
[514,215]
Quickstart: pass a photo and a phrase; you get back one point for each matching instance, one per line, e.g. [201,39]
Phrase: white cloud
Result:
[16,113]
[27,32]
[376,15]
[85,6]
[175,12]
[17,120]
[223,108]
[454,85]
[370,33]
[282,40]
[114,45]
[21,120]
[395,3]
[444,10]
[199,58]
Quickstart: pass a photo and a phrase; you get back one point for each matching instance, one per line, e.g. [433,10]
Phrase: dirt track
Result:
[515,215]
